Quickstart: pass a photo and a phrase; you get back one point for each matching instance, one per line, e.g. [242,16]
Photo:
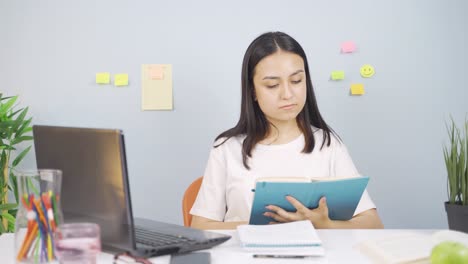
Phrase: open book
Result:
[296,238]
[343,195]
[408,247]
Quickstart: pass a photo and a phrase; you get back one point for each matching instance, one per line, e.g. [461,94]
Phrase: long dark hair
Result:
[252,121]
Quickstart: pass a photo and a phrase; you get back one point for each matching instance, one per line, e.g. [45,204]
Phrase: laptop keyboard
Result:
[152,238]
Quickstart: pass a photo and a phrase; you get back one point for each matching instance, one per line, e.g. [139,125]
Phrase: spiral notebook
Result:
[296,238]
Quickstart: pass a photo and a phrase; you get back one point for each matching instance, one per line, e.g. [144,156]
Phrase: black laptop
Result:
[95,188]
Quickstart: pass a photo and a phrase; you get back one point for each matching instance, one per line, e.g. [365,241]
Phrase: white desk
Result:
[339,248]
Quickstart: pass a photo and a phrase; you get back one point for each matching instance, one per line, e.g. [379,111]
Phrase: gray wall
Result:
[51,50]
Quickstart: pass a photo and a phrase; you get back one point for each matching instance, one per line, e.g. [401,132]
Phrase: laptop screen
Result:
[94,184]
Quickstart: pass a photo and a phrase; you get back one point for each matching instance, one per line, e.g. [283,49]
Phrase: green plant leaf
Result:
[14,185]
[8,206]
[11,115]
[465,169]
[31,186]
[13,212]
[450,155]
[20,139]
[456,161]
[3,158]
[14,126]
[8,147]
[8,216]
[11,226]
[2,229]
[6,125]
[4,108]
[23,128]
[4,98]
[20,119]
[20,156]
[26,130]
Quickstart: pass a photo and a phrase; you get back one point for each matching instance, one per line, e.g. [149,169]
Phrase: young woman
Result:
[280,133]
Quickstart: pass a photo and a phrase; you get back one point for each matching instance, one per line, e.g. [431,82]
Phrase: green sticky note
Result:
[337,75]
[121,79]
[103,78]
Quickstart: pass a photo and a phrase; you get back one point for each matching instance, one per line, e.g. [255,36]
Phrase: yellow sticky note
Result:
[103,78]
[156,94]
[156,72]
[121,79]
[357,89]
[337,75]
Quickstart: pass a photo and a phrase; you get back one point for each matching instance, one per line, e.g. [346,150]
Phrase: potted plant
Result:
[14,129]
[456,160]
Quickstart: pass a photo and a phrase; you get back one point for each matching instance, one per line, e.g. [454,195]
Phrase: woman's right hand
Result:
[318,216]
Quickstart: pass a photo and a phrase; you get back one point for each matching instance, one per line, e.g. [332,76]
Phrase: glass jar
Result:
[78,243]
[39,214]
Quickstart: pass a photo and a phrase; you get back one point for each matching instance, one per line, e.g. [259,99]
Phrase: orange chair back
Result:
[189,198]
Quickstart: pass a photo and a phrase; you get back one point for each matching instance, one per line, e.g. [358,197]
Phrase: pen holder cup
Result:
[38,216]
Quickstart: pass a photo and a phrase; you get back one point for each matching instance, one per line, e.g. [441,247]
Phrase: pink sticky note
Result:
[156,72]
[348,47]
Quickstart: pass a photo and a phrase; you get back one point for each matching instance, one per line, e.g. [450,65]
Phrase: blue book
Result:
[343,196]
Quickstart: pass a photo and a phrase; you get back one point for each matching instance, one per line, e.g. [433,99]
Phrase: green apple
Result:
[449,252]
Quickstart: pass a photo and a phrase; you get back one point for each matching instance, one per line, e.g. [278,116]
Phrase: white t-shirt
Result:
[226,191]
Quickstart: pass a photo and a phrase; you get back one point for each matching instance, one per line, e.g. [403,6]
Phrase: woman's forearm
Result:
[217,225]
[365,220]
[207,224]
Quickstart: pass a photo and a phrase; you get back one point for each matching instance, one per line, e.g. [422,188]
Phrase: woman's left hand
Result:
[318,216]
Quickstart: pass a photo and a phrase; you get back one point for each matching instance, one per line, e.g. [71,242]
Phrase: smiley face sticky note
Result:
[156,72]
[367,71]
[103,78]
[348,47]
[357,89]
[121,79]
[337,75]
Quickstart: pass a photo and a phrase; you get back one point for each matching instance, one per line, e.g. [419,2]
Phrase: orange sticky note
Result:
[348,47]
[357,89]
[156,72]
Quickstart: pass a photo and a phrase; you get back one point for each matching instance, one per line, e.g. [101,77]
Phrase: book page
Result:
[301,179]
[299,234]
[450,235]
[283,179]
[408,248]
[316,179]
[402,248]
